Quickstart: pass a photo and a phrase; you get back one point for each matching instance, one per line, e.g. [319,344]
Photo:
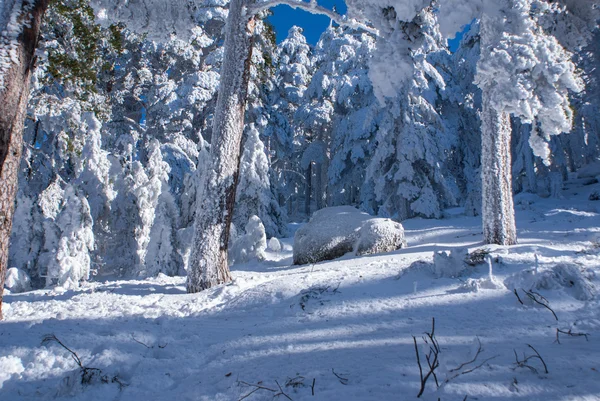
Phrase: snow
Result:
[352,317]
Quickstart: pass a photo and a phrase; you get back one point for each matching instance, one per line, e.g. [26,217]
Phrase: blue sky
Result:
[285,17]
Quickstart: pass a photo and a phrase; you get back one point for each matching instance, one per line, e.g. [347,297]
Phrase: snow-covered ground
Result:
[339,330]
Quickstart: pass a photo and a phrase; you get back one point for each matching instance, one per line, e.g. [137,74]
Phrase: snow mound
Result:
[9,366]
[572,278]
[450,263]
[477,284]
[335,231]
[274,245]
[251,245]
[591,170]
[17,280]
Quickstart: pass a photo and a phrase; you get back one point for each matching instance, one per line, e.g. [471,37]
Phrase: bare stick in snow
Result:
[49,338]
[458,371]
[342,380]
[88,375]
[538,299]
[518,297]
[524,362]
[539,357]
[432,358]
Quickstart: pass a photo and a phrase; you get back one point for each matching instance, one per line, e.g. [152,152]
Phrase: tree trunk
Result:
[13,106]
[319,185]
[308,191]
[208,263]
[497,202]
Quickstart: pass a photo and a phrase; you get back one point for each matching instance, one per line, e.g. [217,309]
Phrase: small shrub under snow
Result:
[251,245]
[17,280]
[335,231]
[477,257]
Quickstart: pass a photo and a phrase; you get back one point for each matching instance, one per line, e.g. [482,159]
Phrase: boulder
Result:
[335,231]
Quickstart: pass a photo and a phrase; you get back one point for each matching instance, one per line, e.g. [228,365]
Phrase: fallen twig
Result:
[139,342]
[281,392]
[342,380]
[256,388]
[313,386]
[571,334]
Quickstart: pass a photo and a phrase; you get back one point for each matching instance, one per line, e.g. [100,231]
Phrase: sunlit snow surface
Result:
[354,316]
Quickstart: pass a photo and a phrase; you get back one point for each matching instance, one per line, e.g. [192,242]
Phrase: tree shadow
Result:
[362,331]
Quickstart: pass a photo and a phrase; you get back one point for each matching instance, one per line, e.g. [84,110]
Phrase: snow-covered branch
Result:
[313,8]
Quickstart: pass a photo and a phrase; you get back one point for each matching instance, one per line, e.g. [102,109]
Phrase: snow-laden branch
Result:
[313,8]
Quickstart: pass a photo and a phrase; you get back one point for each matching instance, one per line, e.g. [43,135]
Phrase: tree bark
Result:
[208,263]
[319,185]
[497,199]
[308,193]
[13,106]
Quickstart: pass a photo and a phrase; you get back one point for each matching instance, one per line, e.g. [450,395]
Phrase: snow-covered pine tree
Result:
[512,83]
[63,134]
[257,193]
[412,143]
[69,264]
[460,109]
[293,72]
[342,78]
[314,118]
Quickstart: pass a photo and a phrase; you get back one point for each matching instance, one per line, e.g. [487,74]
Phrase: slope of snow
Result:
[341,329]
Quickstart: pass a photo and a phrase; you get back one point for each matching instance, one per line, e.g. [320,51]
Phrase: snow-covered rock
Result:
[17,280]
[333,232]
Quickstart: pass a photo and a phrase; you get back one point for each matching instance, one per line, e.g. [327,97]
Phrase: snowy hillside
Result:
[339,330]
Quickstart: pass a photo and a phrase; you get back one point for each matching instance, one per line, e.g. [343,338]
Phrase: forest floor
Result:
[339,330]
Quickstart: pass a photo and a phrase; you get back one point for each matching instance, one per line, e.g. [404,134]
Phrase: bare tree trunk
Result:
[308,192]
[13,105]
[208,263]
[497,199]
